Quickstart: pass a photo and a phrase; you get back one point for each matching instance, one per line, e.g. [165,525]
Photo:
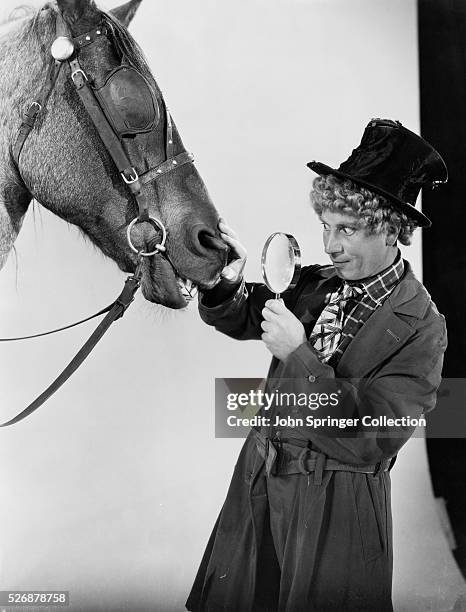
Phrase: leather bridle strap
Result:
[107,135]
[115,148]
[166,166]
[116,311]
[30,115]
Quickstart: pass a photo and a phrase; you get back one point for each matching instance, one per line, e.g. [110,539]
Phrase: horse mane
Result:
[126,44]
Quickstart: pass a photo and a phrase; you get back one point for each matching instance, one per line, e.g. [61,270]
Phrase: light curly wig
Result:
[374,212]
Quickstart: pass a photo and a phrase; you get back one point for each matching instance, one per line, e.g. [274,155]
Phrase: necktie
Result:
[326,335]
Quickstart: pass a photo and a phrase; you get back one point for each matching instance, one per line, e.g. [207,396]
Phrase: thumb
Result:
[228,273]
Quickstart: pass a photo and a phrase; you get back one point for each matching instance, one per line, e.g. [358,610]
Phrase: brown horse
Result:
[65,166]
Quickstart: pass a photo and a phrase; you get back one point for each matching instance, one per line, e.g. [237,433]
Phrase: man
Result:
[306,525]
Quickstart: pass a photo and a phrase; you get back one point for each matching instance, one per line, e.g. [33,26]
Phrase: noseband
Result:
[112,120]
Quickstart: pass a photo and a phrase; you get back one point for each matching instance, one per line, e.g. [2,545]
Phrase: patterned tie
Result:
[326,335]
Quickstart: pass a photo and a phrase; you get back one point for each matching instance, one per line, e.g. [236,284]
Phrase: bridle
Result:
[65,50]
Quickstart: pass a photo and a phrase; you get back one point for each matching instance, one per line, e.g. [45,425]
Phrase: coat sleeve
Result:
[404,386]
[240,316]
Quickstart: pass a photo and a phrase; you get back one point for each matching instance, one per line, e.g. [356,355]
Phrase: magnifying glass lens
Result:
[281,262]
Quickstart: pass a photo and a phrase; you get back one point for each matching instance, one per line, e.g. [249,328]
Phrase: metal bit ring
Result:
[158,247]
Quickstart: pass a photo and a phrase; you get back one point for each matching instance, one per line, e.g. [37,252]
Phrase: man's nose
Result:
[331,243]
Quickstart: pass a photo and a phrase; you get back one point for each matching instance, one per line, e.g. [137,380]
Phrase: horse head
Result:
[65,165]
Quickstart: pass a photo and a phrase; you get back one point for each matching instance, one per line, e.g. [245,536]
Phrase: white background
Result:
[112,488]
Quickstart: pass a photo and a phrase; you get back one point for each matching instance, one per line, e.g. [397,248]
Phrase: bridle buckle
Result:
[78,71]
[133,176]
[38,105]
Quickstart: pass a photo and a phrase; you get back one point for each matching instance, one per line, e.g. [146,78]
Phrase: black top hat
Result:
[393,162]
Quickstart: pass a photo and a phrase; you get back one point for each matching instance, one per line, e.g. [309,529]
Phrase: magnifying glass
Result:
[281,262]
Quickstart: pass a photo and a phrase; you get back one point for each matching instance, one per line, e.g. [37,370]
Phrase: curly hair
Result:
[374,212]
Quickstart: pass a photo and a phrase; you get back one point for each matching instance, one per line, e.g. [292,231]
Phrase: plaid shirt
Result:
[352,303]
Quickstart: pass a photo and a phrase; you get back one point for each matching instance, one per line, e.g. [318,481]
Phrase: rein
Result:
[65,49]
[115,311]
[59,329]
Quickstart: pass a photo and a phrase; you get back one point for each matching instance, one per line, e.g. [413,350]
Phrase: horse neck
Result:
[23,61]
[22,69]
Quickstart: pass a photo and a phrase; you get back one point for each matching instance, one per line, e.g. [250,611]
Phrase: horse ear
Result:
[73,10]
[126,12]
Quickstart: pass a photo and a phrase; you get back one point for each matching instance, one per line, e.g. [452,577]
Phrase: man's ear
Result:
[392,235]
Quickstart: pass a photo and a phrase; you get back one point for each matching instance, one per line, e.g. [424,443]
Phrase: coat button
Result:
[311,378]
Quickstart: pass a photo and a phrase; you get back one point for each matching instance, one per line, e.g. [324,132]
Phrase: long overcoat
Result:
[292,543]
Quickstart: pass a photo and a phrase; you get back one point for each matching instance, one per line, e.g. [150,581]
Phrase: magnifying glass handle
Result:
[277,296]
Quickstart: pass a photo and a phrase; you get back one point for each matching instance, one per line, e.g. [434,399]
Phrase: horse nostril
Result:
[206,239]
[211,242]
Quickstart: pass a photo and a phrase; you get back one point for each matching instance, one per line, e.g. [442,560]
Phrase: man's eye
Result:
[325,227]
[348,231]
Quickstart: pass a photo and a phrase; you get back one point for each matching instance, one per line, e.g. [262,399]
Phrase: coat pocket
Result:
[371,501]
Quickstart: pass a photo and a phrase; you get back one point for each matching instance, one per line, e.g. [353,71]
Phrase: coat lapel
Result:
[385,332]
[382,335]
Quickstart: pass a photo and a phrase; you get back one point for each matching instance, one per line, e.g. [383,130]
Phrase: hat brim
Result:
[404,207]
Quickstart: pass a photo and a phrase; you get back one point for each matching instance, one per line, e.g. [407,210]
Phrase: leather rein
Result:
[65,50]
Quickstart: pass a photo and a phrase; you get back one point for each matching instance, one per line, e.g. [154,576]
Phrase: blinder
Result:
[128,101]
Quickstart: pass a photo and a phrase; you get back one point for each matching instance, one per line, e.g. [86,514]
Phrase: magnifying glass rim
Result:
[297,259]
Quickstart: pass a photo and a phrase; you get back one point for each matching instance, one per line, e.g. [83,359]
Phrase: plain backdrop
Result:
[110,491]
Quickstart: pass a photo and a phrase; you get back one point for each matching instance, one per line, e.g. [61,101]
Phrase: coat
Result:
[285,542]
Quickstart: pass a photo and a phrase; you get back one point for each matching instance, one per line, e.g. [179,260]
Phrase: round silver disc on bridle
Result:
[62,48]
[158,247]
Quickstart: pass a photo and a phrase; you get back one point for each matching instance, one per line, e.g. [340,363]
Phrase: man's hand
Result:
[283,332]
[233,272]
